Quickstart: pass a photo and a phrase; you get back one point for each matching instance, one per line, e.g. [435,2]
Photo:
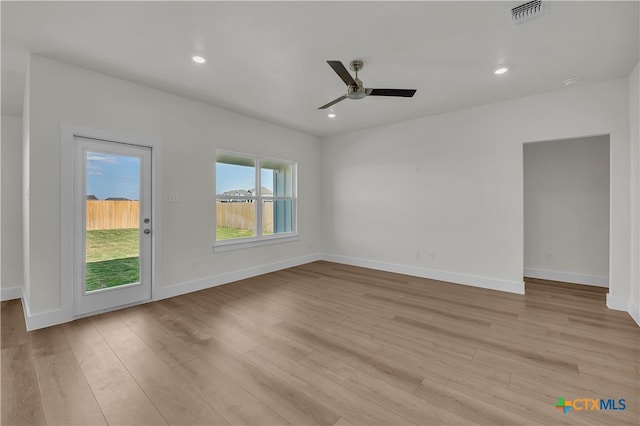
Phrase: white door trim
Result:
[67,134]
[86,302]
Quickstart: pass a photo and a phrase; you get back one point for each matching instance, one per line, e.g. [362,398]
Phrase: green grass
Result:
[112,273]
[112,255]
[223,233]
[112,258]
[109,244]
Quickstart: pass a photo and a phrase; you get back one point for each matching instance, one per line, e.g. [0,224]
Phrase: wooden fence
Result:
[102,214]
[242,216]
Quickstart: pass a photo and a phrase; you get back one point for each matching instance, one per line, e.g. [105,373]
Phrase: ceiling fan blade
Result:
[342,72]
[335,101]
[405,93]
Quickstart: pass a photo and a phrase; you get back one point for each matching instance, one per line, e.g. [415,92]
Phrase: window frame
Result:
[258,198]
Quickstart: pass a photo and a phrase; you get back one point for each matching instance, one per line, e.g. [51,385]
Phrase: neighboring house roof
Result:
[91,197]
[238,192]
[245,192]
[117,199]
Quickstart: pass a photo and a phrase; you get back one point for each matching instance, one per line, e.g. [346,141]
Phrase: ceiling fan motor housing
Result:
[356,92]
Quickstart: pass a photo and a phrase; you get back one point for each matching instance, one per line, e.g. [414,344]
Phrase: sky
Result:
[113,176]
[230,177]
[119,176]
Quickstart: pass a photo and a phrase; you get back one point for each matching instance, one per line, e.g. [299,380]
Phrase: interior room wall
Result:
[11,246]
[634,136]
[442,196]
[190,133]
[566,210]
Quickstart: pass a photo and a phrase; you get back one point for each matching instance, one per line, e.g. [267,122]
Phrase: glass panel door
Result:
[112,224]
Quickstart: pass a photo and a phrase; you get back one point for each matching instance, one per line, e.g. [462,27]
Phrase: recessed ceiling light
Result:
[331,115]
[500,70]
[198,59]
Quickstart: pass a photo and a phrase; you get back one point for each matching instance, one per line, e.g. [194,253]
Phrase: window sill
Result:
[238,244]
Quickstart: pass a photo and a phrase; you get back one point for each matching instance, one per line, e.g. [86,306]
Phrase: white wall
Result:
[451,184]
[566,210]
[190,133]
[11,256]
[634,133]
[466,202]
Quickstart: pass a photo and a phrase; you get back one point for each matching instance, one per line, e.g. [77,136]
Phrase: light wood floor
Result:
[328,344]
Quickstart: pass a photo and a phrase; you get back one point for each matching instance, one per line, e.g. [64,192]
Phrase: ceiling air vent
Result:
[527,11]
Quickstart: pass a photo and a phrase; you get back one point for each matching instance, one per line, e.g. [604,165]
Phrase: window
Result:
[255,199]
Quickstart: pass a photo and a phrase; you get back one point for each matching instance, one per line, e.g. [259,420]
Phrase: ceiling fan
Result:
[355,88]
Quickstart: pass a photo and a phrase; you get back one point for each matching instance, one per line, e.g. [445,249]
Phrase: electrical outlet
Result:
[418,253]
[173,197]
[549,257]
[432,255]
[194,264]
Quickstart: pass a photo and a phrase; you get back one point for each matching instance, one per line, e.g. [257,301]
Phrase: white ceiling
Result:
[268,59]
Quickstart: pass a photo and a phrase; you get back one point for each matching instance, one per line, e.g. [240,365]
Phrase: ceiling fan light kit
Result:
[355,87]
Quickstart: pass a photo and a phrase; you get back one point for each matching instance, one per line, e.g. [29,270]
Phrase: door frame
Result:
[109,298]
[608,304]
[68,133]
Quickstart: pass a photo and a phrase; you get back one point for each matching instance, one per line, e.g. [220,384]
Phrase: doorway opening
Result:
[110,220]
[566,212]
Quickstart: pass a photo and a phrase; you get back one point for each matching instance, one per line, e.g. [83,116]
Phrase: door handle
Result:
[147,231]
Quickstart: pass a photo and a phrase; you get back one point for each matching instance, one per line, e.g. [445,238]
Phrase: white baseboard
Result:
[51,318]
[617,303]
[626,305]
[567,277]
[44,319]
[216,280]
[453,277]
[47,319]
[11,293]
[634,311]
